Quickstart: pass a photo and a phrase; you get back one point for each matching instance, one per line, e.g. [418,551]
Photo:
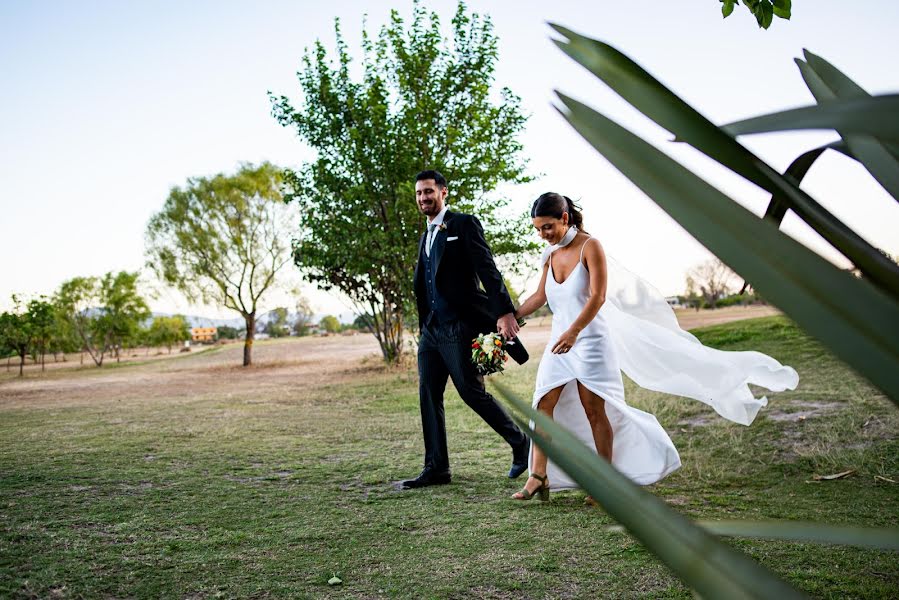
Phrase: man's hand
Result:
[507,326]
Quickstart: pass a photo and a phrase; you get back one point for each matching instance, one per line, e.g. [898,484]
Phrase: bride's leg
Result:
[595,407]
[546,405]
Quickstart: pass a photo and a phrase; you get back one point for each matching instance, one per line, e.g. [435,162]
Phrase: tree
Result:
[764,11]
[168,331]
[363,322]
[41,316]
[221,239]
[63,337]
[226,332]
[304,315]
[692,297]
[277,323]
[330,324]
[713,278]
[16,332]
[105,313]
[123,308]
[421,102]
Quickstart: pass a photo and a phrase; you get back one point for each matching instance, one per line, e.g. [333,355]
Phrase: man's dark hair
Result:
[439,179]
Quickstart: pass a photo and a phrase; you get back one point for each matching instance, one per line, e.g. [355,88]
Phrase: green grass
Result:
[269,491]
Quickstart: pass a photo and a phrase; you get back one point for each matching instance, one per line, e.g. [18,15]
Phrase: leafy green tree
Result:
[63,337]
[330,324]
[5,351]
[17,332]
[764,11]
[363,322]
[41,316]
[421,102]
[277,325]
[226,332]
[168,331]
[105,312]
[123,309]
[221,240]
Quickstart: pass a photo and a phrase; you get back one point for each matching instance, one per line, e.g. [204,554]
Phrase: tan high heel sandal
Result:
[542,491]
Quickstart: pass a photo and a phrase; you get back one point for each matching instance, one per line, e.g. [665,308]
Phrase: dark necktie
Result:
[430,241]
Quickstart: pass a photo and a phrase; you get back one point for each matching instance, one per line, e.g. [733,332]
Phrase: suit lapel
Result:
[421,254]
[440,242]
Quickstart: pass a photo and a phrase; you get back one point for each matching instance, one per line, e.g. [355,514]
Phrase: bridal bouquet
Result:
[488,353]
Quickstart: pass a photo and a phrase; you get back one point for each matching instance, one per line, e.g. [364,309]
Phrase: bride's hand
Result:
[565,342]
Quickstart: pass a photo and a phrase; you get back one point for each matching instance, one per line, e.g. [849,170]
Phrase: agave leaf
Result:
[712,568]
[875,116]
[826,84]
[796,172]
[658,103]
[777,207]
[864,537]
[857,320]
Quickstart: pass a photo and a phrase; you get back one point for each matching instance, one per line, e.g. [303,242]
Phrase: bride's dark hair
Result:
[554,205]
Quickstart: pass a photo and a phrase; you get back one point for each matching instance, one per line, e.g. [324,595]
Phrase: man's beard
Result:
[430,210]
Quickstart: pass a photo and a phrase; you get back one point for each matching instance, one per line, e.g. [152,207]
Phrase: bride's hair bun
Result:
[554,205]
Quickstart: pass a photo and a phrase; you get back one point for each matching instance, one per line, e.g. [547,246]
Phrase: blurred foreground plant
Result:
[857,318]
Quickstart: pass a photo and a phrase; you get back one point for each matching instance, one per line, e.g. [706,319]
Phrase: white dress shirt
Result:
[437,222]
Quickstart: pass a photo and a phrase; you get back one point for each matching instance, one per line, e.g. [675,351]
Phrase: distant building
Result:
[674,302]
[203,334]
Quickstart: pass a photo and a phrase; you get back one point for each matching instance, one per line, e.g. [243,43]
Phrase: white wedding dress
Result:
[636,332]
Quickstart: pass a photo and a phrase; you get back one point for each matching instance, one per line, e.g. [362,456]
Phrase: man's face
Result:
[430,197]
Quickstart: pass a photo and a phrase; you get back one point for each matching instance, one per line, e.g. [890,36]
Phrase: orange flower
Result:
[498,342]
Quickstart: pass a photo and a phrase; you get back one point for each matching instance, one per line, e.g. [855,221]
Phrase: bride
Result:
[605,321]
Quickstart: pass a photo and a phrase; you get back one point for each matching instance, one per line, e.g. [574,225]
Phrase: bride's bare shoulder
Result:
[593,253]
[593,244]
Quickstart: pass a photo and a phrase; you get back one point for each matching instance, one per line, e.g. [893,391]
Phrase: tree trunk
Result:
[21,363]
[390,336]
[42,361]
[248,339]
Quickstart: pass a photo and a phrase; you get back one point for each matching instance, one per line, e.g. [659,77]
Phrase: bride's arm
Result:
[596,266]
[535,300]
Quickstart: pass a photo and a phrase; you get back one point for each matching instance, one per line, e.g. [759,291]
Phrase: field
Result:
[191,476]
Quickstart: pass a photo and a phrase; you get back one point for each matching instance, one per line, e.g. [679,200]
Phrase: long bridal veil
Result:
[658,355]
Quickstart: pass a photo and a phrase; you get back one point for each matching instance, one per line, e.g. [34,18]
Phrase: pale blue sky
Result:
[104,106]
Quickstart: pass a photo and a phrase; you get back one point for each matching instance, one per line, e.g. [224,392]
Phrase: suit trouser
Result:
[444,351]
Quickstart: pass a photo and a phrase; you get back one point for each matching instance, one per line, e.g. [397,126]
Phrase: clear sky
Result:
[104,106]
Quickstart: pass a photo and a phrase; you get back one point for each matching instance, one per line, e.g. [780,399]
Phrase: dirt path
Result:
[536,333]
[309,362]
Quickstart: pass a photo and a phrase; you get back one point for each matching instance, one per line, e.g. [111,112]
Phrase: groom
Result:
[455,268]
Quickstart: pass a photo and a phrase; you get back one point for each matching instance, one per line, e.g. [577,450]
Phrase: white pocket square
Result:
[452,239]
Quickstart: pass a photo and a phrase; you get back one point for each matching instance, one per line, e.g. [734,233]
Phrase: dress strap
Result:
[581,258]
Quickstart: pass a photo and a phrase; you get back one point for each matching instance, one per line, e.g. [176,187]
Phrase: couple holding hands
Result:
[605,321]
